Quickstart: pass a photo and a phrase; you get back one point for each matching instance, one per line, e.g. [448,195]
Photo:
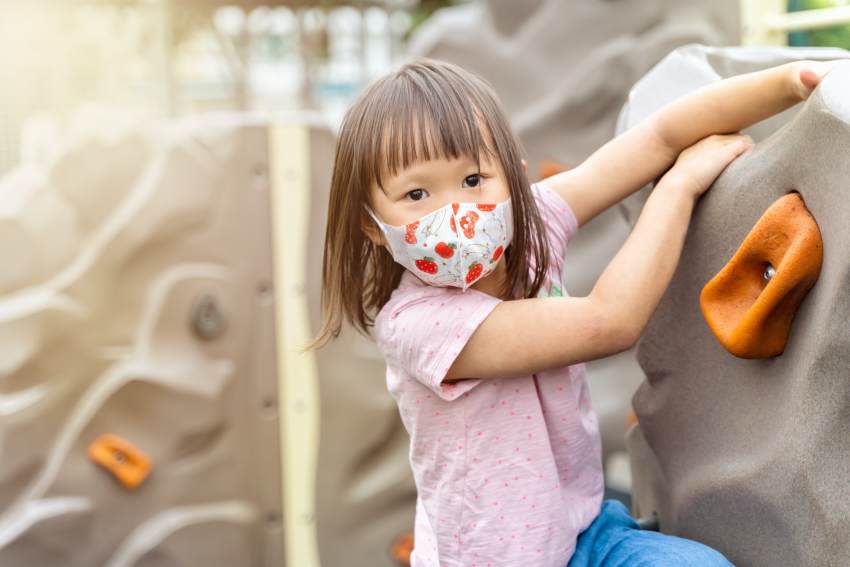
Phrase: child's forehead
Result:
[434,167]
[410,148]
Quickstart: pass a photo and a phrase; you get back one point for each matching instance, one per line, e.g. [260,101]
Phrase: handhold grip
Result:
[120,457]
[750,304]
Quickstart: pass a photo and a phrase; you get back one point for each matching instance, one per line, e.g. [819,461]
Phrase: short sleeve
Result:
[558,216]
[421,331]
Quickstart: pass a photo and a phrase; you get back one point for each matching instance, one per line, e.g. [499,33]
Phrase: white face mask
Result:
[455,245]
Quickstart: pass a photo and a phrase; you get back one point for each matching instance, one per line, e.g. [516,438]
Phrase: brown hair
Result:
[424,110]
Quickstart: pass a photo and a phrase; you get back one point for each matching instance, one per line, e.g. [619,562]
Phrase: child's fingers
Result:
[736,142]
[813,72]
[743,145]
[743,142]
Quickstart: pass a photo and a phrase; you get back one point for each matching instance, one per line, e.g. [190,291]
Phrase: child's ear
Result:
[371,230]
[525,166]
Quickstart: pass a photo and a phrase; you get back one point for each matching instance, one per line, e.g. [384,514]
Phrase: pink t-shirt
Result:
[508,471]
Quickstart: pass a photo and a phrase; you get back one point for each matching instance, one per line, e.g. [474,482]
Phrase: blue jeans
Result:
[615,540]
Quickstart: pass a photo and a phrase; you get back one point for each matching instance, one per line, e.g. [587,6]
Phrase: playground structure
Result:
[740,441]
[138,330]
[171,281]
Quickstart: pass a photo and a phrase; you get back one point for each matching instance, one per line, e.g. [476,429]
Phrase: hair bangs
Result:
[426,117]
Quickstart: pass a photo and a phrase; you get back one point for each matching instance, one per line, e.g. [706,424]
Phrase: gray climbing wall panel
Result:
[138,302]
[750,455]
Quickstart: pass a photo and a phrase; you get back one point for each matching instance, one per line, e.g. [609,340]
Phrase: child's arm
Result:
[641,154]
[524,336]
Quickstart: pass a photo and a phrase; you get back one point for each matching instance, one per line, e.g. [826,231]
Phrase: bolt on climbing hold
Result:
[208,321]
[769,272]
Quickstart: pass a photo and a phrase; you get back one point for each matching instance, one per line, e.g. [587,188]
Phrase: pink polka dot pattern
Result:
[507,474]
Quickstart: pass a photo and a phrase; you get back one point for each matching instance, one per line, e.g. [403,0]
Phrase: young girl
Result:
[436,239]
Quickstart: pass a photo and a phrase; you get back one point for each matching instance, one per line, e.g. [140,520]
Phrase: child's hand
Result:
[806,75]
[699,165]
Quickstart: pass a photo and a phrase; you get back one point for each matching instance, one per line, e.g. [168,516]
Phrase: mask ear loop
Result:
[381,227]
[373,215]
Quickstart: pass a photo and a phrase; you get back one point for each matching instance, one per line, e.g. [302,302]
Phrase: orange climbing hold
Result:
[120,457]
[750,304]
[401,548]
[548,168]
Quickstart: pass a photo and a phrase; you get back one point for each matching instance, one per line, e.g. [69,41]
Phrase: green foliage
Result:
[838,36]
[424,9]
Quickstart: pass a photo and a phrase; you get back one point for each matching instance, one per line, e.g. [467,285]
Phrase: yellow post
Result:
[299,393]
[756,19]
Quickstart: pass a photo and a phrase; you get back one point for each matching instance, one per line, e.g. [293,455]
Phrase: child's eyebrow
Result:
[387,184]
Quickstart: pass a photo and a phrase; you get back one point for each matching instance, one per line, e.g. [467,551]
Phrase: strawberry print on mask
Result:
[456,245]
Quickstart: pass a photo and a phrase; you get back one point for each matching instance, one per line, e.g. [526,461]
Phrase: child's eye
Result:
[416,194]
[473,180]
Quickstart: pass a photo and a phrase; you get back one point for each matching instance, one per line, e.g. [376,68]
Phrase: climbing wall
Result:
[138,382]
[743,431]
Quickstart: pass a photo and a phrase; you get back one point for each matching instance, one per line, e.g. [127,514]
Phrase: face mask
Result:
[455,245]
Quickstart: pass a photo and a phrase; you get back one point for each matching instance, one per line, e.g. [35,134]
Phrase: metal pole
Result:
[809,19]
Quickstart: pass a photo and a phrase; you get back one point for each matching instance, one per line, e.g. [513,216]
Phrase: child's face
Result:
[426,186]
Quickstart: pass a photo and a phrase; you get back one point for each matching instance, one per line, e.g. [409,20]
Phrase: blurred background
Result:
[164,169]
[151,58]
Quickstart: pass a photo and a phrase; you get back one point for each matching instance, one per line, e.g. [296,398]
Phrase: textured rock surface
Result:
[108,251]
[751,456]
